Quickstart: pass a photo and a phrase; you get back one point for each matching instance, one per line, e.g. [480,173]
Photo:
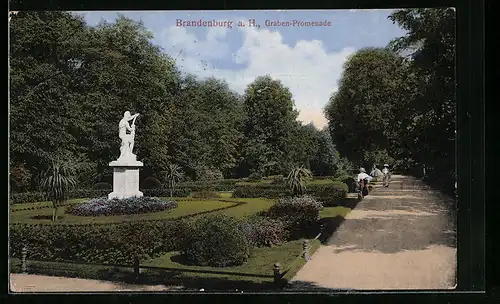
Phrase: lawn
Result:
[187,206]
[258,268]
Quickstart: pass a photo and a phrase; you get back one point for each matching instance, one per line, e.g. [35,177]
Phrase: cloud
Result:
[307,69]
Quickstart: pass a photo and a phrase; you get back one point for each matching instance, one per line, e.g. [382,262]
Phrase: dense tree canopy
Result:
[70,83]
[397,104]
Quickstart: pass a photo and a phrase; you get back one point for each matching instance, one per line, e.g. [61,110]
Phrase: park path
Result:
[401,237]
[41,283]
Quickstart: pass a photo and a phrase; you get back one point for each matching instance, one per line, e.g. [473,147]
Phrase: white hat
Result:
[386,165]
[362,169]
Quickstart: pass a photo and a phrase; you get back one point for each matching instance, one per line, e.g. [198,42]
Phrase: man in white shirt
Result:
[362,175]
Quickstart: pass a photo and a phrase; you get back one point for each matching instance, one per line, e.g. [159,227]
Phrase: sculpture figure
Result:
[127,145]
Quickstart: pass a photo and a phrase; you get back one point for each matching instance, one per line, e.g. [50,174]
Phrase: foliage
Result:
[173,175]
[20,178]
[151,183]
[102,185]
[331,192]
[205,194]
[32,197]
[255,177]
[133,205]
[265,231]
[113,244]
[56,183]
[297,212]
[216,241]
[208,174]
[296,180]
[270,118]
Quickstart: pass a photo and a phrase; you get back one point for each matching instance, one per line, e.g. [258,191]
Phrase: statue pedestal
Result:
[125,178]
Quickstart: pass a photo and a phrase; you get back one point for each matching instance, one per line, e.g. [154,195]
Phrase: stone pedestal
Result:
[125,178]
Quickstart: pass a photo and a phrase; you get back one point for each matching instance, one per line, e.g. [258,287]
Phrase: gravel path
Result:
[402,237]
[40,283]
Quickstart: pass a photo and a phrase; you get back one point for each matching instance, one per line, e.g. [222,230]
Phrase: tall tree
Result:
[270,118]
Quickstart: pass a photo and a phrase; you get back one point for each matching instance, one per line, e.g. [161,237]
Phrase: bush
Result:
[102,185]
[297,212]
[350,182]
[265,231]
[278,181]
[329,194]
[104,244]
[208,174]
[205,194]
[217,241]
[151,183]
[133,205]
[20,178]
[261,190]
[218,185]
[255,177]
[178,192]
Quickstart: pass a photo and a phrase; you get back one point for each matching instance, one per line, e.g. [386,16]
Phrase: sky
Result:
[307,59]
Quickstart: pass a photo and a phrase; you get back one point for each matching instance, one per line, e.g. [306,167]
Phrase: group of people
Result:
[364,178]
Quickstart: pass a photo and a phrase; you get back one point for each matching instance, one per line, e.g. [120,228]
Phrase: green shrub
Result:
[132,205]
[328,194]
[26,197]
[105,244]
[215,185]
[205,194]
[102,185]
[265,231]
[178,192]
[261,190]
[216,241]
[208,174]
[151,183]
[255,177]
[350,182]
[297,212]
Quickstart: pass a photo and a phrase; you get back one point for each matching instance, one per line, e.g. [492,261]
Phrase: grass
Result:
[186,207]
[257,269]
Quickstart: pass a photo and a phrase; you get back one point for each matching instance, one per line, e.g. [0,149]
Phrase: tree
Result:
[326,160]
[270,118]
[56,182]
[296,180]
[360,113]
[173,175]
[430,48]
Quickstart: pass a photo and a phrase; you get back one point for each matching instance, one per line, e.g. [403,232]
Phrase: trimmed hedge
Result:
[33,197]
[103,244]
[328,194]
[214,185]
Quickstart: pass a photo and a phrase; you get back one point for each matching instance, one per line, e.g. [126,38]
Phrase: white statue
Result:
[127,139]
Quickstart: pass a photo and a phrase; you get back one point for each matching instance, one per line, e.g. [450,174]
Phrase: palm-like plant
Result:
[56,182]
[296,179]
[173,175]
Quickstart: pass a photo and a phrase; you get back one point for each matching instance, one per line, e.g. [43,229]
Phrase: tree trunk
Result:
[53,213]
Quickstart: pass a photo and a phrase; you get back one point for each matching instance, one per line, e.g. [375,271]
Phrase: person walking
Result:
[387,175]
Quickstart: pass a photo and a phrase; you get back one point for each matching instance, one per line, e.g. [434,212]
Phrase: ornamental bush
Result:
[296,212]
[216,241]
[264,231]
[133,205]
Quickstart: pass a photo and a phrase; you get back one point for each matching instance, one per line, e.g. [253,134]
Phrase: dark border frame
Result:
[470,121]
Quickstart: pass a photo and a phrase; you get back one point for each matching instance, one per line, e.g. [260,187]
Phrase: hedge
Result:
[215,185]
[33,197]
[328,194]
[103,244]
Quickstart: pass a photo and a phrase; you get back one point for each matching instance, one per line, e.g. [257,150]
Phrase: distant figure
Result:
[376,172]
[387,175]
[363,180]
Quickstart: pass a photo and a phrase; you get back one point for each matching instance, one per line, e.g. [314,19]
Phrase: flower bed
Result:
[134,205]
